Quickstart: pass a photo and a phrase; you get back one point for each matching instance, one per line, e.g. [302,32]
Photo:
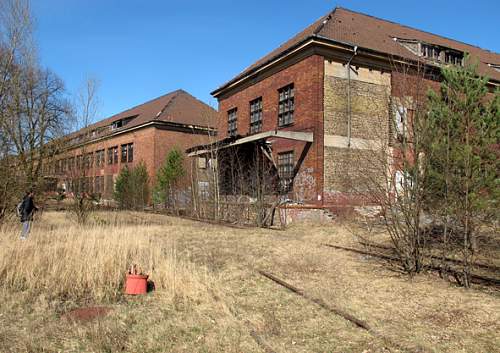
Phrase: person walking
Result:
[27,209]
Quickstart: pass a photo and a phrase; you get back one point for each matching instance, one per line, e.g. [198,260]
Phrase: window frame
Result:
[256,115]
[286,105]
[232,122]
[286,166]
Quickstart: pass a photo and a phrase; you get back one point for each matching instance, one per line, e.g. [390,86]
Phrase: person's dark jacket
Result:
[27,209]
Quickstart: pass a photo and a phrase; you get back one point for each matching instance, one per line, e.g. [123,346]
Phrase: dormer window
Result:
[453,57]
[433,52]
[495,66]
[121,122]
[430,51]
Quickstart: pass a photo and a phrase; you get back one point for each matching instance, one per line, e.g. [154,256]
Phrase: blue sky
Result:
[139,50]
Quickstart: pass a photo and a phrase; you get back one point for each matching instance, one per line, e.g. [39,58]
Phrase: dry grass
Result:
[65,261]
[209,296]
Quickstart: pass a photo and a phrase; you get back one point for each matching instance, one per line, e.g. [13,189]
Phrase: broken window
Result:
[286,105]
[113,155]
[232,117]
[431,51]
[453,57]
[99,158]
[285,170]
[98,184]
[71,163]
[88,160]
[79,162]
[256,115]
[130,153]
[127,153]
[400,121]
[110,156]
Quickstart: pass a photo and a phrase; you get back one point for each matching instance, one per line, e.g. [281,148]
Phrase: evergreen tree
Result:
[140,186]
[122,188]
[168,177]
[463,155]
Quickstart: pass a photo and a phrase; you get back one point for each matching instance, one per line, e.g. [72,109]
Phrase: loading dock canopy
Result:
[232,141]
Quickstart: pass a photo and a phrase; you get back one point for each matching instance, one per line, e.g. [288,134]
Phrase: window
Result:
[124,154]
[88,160]
[130,157]
[79,162]
[285,170]
[454,58]
[203,190]
[495,67]
[202,162]
[121,122]
[71,163]
[232,117]
[110,156]
[98,184]
[430,51]
[127,153]
[99,158]
[256,115]
[113,155]
[400,123]
[286,105]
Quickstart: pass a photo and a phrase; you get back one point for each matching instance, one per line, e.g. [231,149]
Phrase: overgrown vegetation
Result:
[463,159]
[209,298]
[440,162]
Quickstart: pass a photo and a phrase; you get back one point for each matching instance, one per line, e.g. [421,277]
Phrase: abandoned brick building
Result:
[327,94]
[146,133]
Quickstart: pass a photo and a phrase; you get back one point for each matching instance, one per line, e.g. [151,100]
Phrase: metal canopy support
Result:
[290,135]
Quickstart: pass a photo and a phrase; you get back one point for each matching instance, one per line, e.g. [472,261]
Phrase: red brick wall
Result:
[166,140]
[151,145]
[307,77]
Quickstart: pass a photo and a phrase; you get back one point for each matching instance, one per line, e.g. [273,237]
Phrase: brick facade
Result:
[153,129]
[307,78]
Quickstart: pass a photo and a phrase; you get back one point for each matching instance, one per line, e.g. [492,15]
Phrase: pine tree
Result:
[169,176]
[463,155]
[122,188]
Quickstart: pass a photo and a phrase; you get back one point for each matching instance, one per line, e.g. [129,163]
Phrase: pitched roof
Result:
[176,107]
[354,28]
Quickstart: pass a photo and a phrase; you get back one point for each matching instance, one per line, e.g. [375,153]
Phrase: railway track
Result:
[475,278]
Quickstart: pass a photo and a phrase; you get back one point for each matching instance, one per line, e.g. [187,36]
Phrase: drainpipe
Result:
[349,96]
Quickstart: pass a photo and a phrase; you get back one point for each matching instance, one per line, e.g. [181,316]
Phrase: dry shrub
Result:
[73,263]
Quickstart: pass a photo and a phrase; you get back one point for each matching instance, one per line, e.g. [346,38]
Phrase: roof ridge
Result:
[140,105]
[175,95]
[324,22]
[416,29]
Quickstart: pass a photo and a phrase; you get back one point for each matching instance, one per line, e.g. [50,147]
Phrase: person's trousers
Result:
[26,229]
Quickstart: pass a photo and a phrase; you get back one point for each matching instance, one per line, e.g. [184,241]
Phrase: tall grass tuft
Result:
[64,261]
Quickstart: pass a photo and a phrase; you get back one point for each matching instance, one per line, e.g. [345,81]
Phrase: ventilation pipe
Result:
[348,66]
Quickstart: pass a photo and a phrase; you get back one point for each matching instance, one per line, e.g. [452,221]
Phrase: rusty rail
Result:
[475,264]
[360,323]
[475,278]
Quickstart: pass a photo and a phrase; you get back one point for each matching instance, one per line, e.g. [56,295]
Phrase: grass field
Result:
[210,297]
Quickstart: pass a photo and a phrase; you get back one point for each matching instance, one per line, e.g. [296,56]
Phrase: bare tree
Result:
[86,110]
[389,171]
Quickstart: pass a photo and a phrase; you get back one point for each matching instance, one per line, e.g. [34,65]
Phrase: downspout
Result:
[349,96]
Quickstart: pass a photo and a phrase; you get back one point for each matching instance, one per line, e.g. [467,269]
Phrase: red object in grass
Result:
[136,284]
